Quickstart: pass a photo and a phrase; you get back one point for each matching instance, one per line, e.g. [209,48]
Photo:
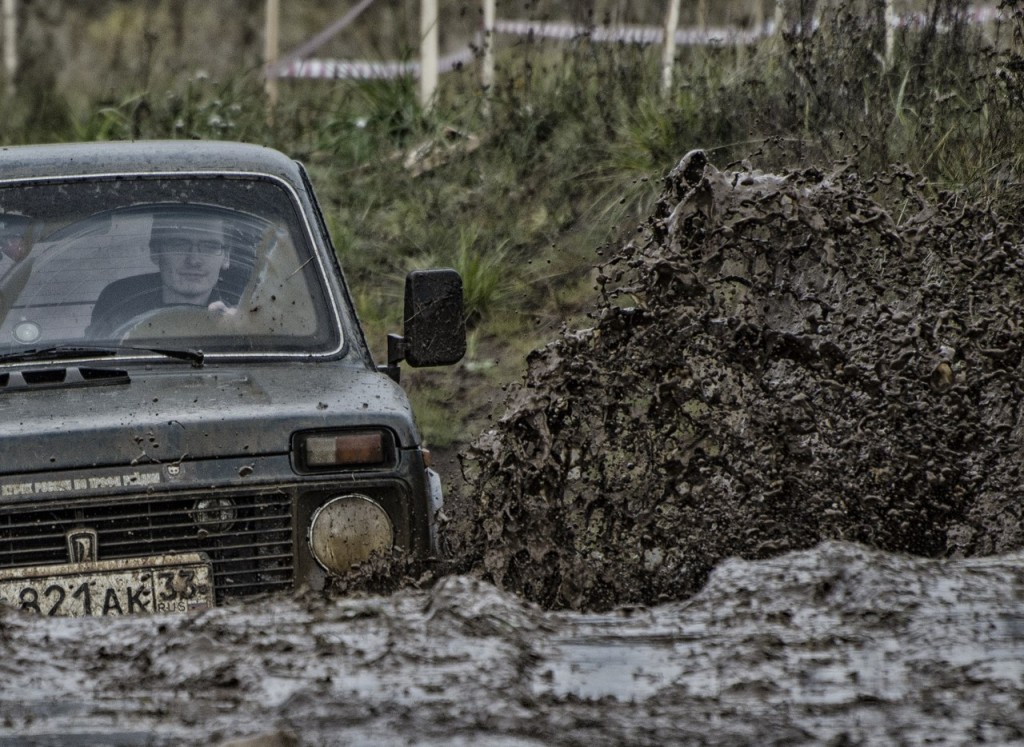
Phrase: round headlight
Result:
[345,531]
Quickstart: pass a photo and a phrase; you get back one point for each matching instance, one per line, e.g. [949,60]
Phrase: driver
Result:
[191,251]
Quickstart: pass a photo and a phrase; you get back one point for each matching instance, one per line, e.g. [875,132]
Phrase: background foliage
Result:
[524,188]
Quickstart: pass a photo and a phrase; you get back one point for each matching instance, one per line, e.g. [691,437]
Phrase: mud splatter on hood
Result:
[776,360]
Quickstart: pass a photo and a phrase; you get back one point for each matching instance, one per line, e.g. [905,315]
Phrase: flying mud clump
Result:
[775,361]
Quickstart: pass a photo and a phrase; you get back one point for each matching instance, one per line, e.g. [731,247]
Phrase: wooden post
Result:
[487,74]
[702,15]
[10,42]
[668,52]
[428,52]
[271,51]
[889,19]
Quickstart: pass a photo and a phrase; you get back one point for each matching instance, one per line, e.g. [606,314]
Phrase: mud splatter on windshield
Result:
[776,360]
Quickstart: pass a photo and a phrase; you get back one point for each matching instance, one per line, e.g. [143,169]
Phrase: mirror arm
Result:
[396,354]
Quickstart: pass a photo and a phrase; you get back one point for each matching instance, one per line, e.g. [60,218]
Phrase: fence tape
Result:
[367,70]
[566,31]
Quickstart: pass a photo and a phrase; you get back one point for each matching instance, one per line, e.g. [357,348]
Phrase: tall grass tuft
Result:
[486,279]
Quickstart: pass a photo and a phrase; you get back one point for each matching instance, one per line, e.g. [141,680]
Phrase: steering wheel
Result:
[170,313]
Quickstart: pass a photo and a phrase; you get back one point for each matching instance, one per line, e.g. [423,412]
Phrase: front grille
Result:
[247,537]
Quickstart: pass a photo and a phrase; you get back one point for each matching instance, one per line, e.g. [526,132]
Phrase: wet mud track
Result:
[836,645]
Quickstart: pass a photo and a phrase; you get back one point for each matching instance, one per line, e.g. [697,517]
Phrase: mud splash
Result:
[836,645]
[776,360]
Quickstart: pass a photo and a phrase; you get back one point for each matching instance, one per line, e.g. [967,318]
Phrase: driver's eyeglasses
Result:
[205,247]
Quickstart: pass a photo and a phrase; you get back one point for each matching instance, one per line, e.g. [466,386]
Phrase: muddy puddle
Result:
[771,496]
[838,645]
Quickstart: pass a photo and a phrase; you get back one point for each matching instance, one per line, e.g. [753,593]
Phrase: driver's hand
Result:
[222,309]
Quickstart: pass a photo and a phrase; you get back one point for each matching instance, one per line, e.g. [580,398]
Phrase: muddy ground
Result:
[837,645]
[771,496]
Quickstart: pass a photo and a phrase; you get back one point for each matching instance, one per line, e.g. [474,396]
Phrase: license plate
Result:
[163,584]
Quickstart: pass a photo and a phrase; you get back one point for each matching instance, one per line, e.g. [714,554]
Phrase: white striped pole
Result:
[428,51]
[668,52]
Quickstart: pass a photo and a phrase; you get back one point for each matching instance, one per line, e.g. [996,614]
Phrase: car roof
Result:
[144,156]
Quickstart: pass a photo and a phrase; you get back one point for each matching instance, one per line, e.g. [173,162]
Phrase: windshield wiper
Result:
[56,352]
[60,352]
[195,357]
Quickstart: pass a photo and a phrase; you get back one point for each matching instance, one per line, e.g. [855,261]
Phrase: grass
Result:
[568,158]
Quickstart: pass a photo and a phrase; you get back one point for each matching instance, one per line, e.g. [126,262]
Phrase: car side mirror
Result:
[434,332]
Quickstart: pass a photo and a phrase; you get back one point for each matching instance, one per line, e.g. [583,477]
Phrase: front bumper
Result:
[250,517]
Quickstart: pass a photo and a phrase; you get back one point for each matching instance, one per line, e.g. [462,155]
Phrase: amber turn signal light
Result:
[362,449]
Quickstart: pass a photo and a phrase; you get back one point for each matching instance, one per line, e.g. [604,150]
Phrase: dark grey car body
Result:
[161,455]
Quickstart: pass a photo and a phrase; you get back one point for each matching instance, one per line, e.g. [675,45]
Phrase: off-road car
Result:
[189,411]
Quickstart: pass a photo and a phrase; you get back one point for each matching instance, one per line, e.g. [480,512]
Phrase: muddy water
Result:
[835,645]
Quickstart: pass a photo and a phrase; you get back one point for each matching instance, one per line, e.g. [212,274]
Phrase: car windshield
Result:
[221,264]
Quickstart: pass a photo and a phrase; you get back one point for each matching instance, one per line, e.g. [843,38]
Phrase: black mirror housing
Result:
[435,326]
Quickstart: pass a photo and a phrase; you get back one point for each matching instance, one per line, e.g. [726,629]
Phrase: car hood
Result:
[169,413]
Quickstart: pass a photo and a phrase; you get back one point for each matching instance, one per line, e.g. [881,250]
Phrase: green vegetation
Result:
[526,189]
